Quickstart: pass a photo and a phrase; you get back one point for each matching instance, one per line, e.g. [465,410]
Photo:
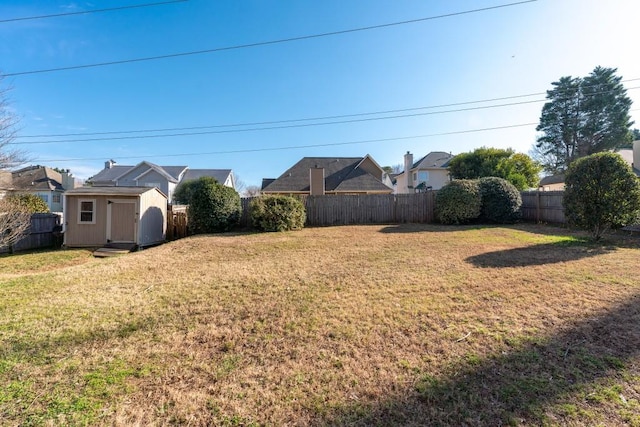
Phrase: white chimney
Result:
[109,164]
[408,164]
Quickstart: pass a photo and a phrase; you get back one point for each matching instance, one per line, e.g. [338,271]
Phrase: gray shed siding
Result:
[85,235]
[152,227]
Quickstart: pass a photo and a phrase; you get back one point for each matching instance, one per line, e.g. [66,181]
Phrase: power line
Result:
[117,138]
[269,42]
[83,12]
[295,147]
[290,126]
[428,107]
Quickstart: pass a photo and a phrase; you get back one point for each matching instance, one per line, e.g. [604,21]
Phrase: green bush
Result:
[500,200]
[31,202]
[458,202]
[601,192]
[277,213]
[213,207]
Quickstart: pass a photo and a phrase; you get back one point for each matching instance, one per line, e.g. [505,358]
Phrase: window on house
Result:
[152,184]
[86,211]
[44,197]
[423,176]
[55,198]
[414,177]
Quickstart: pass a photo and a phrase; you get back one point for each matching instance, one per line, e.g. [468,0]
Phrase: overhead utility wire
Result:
[116,138]
[269,42]
[428,107]
[295,147]
[83,12]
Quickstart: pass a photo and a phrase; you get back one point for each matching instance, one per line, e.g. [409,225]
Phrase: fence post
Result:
[538,207]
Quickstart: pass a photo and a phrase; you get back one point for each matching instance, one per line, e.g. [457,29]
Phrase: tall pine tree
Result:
[583,116]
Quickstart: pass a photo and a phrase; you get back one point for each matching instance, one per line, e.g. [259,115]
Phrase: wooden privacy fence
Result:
[362,209]
[43,233]
[177,224]
[537,206]
[543,206]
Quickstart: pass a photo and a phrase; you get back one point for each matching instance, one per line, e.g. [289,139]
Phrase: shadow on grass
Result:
[426,228]
[518,386]
[547,253]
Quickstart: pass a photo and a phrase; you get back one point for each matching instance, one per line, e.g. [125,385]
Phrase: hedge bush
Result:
[458,202]
[30,202]
[500,201]
[601,192]
[277,213]
[213,207]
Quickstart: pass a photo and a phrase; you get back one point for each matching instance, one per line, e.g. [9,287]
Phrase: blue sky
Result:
[496,53]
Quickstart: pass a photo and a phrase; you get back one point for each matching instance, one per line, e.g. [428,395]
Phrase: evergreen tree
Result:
[583,116]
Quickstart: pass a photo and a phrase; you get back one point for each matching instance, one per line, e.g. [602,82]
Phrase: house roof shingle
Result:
[220,175]
[342,174]
[35,178]
[435,159]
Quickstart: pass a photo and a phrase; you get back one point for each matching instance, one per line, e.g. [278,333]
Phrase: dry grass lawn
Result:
[365,325]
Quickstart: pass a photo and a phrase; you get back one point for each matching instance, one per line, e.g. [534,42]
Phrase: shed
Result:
[95,216]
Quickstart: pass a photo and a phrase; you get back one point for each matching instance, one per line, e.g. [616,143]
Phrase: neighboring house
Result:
[428,173]
[330,175]
[6,183]
[95,216]
[147,174]
[631,156]
[44,182]
[552,183]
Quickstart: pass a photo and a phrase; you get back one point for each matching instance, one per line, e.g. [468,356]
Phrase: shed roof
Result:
[111,191]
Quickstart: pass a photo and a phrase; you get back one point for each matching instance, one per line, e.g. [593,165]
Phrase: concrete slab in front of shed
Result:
[113,250]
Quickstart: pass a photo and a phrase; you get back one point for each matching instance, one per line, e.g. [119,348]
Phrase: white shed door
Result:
[121,222]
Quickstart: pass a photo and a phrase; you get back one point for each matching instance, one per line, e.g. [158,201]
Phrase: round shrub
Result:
[277,213]
[458,202]
[213,207]
[30,202]
[601,192]
[500,200]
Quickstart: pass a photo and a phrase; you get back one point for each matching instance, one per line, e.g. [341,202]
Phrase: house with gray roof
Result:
[330,175]
[630,155]
[147,174]
[41,181]
[429,173]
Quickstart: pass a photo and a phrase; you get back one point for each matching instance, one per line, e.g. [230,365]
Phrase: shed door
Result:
[121,221]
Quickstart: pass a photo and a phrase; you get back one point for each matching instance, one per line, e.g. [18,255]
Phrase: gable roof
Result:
[36,178]
[435,159]
[342,174]
[171,173]
[220,175]
[110,174]
[552,179]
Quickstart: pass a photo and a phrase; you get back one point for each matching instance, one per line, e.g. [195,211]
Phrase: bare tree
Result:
[251,191]
[9,157]
[15,221]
